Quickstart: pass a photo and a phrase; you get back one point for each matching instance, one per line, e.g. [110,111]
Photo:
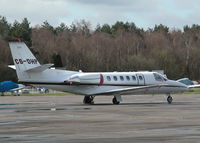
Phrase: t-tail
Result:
[23,59]
[29,69]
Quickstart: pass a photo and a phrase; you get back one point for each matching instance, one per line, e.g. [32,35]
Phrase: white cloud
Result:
[145,13]
[118,5]
[37,11]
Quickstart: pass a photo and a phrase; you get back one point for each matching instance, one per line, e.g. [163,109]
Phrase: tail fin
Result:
[23,58]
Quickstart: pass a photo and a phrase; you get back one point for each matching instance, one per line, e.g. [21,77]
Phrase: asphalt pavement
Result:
[65,119]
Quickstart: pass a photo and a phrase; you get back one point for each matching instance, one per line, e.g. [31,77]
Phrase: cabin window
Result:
[157,77]
[133,77]
[121,78]
[115,78]
[128,78]
[140,77]
[108,78]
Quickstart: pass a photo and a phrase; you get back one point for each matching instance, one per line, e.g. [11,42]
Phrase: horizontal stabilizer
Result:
[12,67]
[40,68]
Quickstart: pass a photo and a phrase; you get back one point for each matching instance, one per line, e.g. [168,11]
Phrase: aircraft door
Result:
[141,79]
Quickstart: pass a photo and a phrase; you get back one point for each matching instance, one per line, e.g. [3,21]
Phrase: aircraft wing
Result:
[129,89]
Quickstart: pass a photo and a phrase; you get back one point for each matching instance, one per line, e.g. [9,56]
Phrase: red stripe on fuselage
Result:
[101,79]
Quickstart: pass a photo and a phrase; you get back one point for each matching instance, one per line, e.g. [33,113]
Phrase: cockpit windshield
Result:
[159,77]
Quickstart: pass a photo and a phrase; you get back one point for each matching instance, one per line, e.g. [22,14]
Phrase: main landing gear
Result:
[88,100]
[169,99]
[116,99]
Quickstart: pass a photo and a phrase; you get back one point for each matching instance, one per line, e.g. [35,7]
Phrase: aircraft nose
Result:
[182,86]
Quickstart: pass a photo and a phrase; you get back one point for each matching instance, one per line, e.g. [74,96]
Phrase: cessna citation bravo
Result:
[29,71]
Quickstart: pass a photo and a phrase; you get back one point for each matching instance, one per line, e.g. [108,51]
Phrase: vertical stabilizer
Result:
[22,58]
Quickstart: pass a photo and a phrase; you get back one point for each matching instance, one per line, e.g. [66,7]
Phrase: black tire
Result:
[88,100]
[169,99]
[115,101]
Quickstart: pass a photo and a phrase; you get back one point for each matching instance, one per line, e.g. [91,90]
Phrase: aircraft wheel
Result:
[115,101]
[88,100]
[169,99]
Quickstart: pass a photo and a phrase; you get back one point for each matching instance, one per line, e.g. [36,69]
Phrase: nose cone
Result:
[180,86]
[176,83]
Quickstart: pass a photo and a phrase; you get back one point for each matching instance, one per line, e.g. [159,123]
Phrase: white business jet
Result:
[29,71]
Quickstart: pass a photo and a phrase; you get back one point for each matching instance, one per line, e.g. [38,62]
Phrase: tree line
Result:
[119,47]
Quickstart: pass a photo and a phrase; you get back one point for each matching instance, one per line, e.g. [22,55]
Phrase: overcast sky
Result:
[144,13]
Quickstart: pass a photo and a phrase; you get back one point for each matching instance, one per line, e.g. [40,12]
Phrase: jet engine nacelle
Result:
[83,78]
